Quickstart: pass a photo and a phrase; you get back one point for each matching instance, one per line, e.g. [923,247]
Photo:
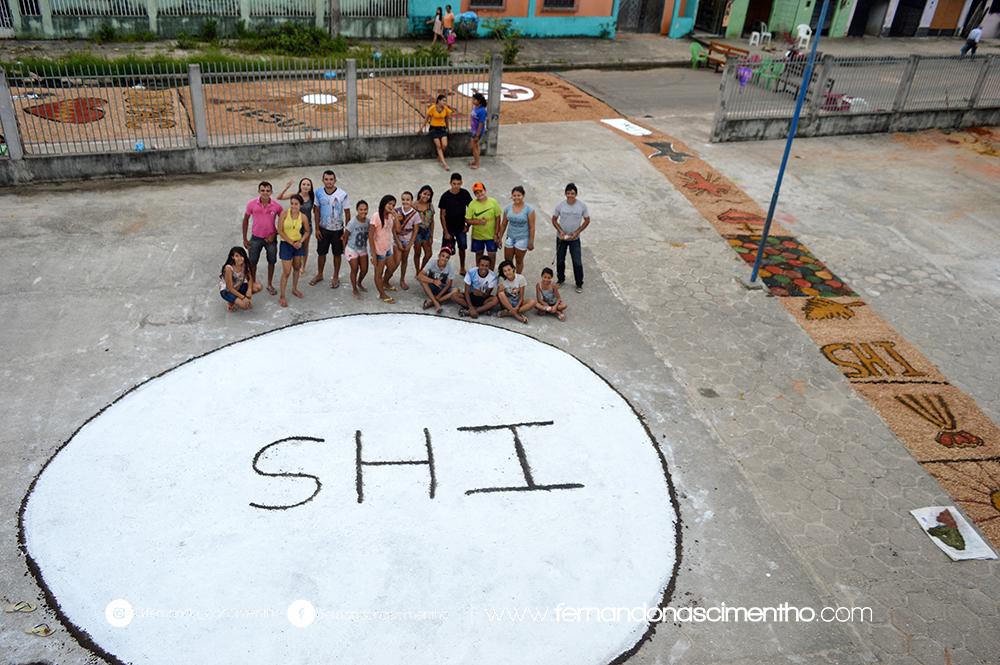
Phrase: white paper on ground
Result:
[975,547]
[215,497]
[626,126]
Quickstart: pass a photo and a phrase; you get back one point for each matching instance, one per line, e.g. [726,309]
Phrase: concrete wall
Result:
[590,18]
[856,123]
[215,160]
[171,26]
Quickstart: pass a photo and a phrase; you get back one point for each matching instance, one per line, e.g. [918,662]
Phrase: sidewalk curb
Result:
[607,66]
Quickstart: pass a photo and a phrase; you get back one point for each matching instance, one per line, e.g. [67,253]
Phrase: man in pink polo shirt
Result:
[264,211]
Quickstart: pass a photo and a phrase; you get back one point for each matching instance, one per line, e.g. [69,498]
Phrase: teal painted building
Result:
[534,18]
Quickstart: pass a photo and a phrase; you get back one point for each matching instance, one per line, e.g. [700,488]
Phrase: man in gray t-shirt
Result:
[570,218]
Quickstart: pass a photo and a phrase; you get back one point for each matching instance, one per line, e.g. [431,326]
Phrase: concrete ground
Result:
[791,488]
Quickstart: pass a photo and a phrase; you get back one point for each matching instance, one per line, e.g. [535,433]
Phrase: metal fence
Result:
[198,7]
[767,88]
[56,111]
[374,8]
[98,7]
[303,8]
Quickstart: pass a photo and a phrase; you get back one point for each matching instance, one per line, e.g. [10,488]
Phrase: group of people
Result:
[444,26]
[398,228]
[436,123]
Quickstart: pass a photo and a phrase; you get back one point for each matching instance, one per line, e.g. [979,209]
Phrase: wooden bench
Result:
[718,53]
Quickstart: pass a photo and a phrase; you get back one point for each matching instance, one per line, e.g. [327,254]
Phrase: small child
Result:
[477,126]
[355,242]
[547,297]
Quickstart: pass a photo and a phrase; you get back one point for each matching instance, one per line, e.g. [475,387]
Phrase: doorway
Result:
[758,11]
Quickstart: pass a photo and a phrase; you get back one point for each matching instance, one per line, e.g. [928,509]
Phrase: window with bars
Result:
[559,4]
[486,4]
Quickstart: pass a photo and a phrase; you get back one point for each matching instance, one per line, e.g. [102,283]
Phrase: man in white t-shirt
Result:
[479,287]
[972,41]
[570,218]
[332,210]
[437,279]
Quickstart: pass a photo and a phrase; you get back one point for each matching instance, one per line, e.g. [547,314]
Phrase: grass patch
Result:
[89,64]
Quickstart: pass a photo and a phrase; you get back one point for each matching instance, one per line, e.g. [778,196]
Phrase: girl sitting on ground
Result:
[234,282]
[511,293]
[548,299]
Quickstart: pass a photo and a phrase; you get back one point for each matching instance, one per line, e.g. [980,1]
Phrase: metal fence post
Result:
[352,98]
[493,104]
[320,10]
[977,88]
[819,90]
[245,13]
[727,80]
[903,91]
[45,9]
[15,16]
[198,106]
[334,9]
[8,120]
[153,17]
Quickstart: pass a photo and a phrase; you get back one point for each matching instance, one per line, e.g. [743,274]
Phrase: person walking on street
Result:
[263,233]
[438,26]
[448,25]
[332,211]
[570,218]
[972,41]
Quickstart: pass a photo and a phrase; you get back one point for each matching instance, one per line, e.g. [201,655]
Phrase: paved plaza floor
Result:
[789,486]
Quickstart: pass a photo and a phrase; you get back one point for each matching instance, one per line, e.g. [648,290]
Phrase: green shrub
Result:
[209,31]
[140,36]
[186,42]
[106,33]
[291,39]
[498,28]
[511,47]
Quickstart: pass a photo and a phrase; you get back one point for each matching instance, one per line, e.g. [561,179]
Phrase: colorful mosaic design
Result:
[788,268]
[942,427]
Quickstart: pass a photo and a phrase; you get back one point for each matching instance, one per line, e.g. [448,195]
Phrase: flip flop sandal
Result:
[463,312]
[42,630]
[273,291]
[428,304]
[315,280]
[22,607]
[388,300]
[390,288]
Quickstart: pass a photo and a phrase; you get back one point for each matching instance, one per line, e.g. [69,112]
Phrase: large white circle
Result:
[319,98]
[169,500]
[509,91]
